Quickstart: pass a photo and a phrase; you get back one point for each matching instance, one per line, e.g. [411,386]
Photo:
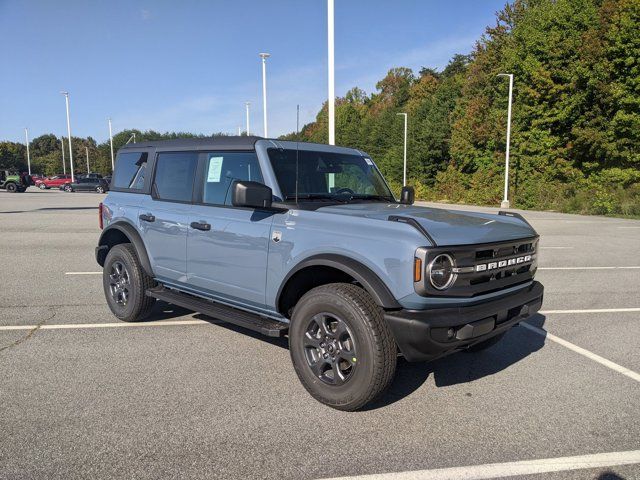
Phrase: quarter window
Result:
[174,176]
[130,170]
[222,169]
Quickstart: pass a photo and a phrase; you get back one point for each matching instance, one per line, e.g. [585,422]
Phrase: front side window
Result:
[327,175]
[222,169]
[174,176]
[130,170]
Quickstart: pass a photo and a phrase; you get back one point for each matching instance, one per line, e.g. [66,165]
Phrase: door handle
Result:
[204,226]
[147,218]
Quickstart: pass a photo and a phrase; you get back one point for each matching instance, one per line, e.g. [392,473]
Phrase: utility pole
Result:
[404,169]
[86,149]
[331,61]
[505,200]
[246,104]
[111,143]
[64,166]
[264,57]
[66,97]
[26,136]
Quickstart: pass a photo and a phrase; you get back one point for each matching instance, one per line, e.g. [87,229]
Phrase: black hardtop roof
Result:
[230,143]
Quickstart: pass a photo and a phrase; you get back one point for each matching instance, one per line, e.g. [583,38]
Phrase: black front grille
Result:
[481,268]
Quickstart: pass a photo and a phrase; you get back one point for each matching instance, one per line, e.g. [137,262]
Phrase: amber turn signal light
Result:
[417,269]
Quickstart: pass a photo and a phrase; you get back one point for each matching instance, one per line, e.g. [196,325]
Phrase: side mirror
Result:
[251,194]
[407,195]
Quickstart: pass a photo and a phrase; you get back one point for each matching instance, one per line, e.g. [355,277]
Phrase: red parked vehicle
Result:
[53,182]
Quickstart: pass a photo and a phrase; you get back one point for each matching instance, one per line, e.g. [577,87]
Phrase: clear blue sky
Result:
[191,65]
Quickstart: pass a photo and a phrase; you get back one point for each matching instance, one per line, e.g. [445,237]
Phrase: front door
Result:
[164,216]
[228,246]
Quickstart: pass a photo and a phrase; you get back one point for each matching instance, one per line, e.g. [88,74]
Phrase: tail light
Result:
[100,216]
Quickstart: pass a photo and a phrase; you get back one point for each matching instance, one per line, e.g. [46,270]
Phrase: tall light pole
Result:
[404,169]
[264,57]
[26,136]
[64,166]
[332,94]
[111,143]
[86,149]
[505,200]
[246,104]
[66,97]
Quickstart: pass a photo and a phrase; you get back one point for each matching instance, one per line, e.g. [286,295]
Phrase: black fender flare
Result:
[129,231]
[363,275]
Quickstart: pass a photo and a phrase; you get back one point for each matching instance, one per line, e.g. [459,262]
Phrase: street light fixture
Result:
[111,143]
[26,136]
[66,97]
[331,100]
[246,104]
[264,57]
[505,200]
[404,169]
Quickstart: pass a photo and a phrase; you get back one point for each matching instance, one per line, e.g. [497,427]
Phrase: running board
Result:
[257,323]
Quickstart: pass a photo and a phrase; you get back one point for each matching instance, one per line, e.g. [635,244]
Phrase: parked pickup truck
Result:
[308,241]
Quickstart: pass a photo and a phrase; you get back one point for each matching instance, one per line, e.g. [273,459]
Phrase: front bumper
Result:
[429,334]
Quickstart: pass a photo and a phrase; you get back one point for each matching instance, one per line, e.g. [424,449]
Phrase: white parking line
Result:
[632,267]
[586,353]
[83,273]
[509,469]
[556,248]
[591,310]
[70,326]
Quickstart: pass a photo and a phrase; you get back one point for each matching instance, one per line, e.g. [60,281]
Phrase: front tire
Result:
[100,189]
[42,186]
[11,187]
[341,348]
[68,188]
[125,284]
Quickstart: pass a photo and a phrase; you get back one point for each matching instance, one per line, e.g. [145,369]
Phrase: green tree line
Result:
[575,142]
[46,151]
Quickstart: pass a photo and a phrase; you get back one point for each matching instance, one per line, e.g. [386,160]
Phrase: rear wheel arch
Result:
[331,268]
[123,232]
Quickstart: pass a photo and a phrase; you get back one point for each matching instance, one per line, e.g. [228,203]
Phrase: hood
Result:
[446,227]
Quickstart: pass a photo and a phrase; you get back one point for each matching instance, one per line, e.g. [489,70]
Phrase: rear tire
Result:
[11,187]
[100,189]
[67,188]
[125,284]
[42,186]
[478,347]
[352,359]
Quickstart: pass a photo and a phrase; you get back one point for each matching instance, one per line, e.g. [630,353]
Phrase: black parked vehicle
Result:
[85,184]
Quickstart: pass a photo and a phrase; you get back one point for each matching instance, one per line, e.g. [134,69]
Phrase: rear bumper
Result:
[429,334]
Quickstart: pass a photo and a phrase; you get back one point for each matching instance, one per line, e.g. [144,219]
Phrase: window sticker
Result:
[215,169]
[369,162]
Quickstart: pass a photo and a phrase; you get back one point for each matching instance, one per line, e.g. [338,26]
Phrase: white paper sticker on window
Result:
[368,160]
[215,169]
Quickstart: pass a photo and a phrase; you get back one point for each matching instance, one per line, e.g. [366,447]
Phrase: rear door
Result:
[227,246]
[164,215]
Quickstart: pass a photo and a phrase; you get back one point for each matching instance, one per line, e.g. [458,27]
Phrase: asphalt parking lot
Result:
[185,396]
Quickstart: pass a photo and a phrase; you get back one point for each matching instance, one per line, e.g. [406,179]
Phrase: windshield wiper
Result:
[311,196]
[372,197]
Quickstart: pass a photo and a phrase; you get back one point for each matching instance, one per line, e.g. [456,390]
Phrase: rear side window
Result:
[130,170]
[221,169]
[174,176]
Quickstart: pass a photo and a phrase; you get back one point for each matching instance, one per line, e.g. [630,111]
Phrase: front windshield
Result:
[328,176]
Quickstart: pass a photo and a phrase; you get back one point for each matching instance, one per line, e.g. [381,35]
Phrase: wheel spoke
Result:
[338,378]
[311,340]
[317,367]
[347,356]
[341,329]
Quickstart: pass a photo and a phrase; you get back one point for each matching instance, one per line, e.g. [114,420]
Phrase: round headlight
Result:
[440,272]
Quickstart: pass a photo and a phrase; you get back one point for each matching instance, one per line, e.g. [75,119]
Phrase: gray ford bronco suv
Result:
[307,240]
